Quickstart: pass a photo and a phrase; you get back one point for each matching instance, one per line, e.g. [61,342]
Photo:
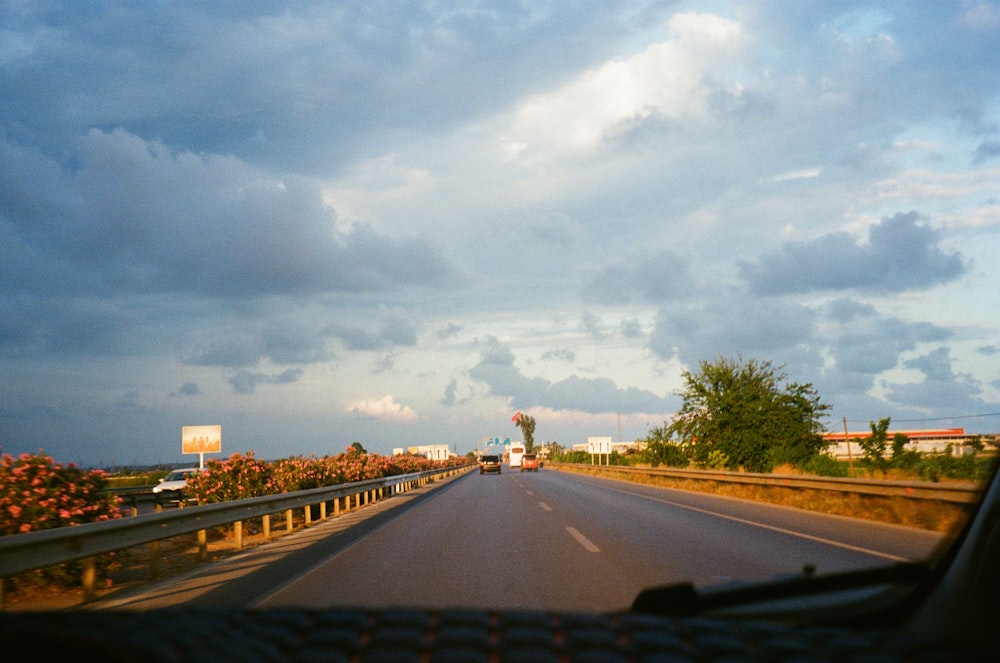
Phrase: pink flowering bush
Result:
[408,463]
[242,475]
[236,478]
[299,473]
[37,493]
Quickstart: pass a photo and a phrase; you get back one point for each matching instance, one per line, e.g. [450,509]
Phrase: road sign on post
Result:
[599,446]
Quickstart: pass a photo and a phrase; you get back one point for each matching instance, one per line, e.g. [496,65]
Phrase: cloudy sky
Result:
[399,223]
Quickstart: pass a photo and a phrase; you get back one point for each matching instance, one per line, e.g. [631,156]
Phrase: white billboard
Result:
[201,439]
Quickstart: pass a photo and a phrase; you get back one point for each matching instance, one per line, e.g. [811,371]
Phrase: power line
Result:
[960,416]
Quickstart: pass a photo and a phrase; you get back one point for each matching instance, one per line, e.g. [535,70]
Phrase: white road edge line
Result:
[587,544]
[780,530]
[545,506]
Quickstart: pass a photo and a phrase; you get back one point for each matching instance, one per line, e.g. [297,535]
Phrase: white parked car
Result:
[174,483]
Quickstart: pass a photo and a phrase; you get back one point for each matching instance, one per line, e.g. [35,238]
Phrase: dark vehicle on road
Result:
[529,463]
[489,463]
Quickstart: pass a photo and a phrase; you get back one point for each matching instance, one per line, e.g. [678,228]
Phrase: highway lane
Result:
[557,541]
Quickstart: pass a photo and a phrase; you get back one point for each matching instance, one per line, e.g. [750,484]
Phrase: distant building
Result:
[843,445]
[429,451]
[623,448]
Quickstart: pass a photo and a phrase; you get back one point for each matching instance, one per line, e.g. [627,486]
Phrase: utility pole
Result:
[850,459]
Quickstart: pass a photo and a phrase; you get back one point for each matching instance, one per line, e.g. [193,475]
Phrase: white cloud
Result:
[385,408]
[981,16]
[662,81]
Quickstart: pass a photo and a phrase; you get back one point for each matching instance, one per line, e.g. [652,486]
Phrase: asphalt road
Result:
[541,541]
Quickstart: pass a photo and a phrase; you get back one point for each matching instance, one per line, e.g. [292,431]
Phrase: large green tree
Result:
[745,414]
[874,446]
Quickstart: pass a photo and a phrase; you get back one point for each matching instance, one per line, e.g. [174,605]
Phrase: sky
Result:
[315,223]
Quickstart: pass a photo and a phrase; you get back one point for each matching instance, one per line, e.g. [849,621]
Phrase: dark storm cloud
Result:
[565,355]
[631,328]
[845,309]
[987,150]
[301,85]
[734,323]
[862,342]
[655,278]
[594,395]
[137,217]
[449,393]
[901,254]
[281,341]
[451,398]
[236,351]
[941,388]
[874,344]
[292,344]
[392,330]
[63,326]
[245,382]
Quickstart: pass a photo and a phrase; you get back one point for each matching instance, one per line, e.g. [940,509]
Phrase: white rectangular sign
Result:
[201,439]
[599,445]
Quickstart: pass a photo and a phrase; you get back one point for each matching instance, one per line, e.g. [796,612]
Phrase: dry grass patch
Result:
[931,515]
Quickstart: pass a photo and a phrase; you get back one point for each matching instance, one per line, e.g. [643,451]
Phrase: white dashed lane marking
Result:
[587,544]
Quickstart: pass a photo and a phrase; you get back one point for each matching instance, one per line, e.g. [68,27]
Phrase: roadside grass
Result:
[943,517]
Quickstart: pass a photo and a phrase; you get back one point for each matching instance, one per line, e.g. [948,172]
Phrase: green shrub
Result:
[572,457]
[665,453]
[937,466]
[716,460]
[825,465]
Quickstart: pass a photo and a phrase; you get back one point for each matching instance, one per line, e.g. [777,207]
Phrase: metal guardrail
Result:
[964,493]
[35,550]
[132,496]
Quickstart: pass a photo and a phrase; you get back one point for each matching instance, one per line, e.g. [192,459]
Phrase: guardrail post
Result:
[322,510]
[289,525]
[307,513]
[336,507]
[238,534]
[89,579]
[202,545]
[154,559]
[266,526]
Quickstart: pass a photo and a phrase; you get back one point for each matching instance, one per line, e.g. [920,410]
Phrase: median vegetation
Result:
[37,493]
[242,476]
